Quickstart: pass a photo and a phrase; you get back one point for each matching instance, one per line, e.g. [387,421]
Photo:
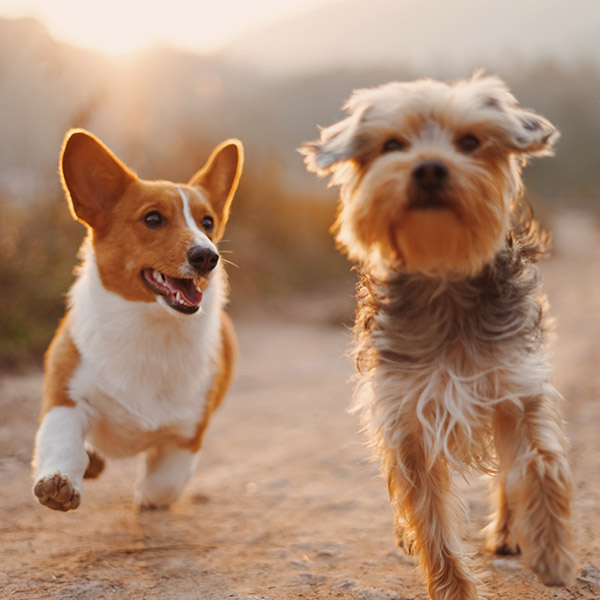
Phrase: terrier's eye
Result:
[394,145]
[153,219]
[208,223]
[468,143]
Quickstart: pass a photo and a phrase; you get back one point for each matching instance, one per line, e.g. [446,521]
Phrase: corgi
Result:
[145,352]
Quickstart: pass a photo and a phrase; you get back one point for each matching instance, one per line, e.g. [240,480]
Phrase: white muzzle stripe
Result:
[200,238]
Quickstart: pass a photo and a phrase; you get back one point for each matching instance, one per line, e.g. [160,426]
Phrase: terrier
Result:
[451,318]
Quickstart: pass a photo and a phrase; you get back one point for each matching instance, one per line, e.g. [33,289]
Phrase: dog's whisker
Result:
[145,352]
[228,262]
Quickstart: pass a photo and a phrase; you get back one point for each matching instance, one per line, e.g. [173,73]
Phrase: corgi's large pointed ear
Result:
[220,176]
[92,176]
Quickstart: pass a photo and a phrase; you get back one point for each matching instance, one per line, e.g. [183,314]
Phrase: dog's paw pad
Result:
[507,549]
[501,542]
[503,547]
[57,492]
[149,506]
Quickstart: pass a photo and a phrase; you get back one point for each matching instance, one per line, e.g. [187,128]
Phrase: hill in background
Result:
[438,36]
[155,107]
[163,110]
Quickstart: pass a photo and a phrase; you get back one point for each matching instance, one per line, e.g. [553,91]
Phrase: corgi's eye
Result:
[153,219]
[394,145]
[468,143]
[208,223]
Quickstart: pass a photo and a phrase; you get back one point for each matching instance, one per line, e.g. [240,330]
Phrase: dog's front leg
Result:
[499,538]
[532,452]
[168,468]
[428,517]
[60,457]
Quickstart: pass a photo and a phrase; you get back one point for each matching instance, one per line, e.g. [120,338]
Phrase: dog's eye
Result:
[153,219]
[208,223]
[468,143]
[394,145]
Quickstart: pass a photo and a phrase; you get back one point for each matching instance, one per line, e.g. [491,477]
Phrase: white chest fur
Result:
[142,365]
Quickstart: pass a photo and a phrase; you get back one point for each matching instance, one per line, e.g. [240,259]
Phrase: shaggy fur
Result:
[451,318]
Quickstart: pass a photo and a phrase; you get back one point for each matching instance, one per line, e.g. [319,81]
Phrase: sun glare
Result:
[122,26]
[111,36]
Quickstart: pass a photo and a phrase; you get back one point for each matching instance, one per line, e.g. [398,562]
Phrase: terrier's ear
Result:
[220,176]
[93,177]
[523,131]
[336,145]
[530,134]
[338,142]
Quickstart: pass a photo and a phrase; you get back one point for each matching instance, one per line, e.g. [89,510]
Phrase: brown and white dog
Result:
[450,323]
[145,353]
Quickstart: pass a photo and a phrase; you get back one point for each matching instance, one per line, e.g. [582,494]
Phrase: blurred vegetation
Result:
[277,238]
[280,241]
[163,115]
[277,242]
[38,243]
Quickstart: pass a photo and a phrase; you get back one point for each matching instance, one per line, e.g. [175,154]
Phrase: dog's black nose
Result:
[430,174]
[202,259]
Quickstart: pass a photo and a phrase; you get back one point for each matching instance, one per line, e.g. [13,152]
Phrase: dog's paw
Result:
[57,492]
[405,538]
[501,543]
[153,502]
[555,566]
[151,507]
[95,466]
[155,494]
[406,545]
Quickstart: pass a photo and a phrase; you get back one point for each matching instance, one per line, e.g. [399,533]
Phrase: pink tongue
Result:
[186,288]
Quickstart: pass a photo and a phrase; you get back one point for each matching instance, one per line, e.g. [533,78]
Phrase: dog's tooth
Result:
[178,298]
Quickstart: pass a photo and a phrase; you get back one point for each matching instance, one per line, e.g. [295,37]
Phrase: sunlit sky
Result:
[121,26]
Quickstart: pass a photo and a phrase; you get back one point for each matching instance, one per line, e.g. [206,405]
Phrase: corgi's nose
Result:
[202,260]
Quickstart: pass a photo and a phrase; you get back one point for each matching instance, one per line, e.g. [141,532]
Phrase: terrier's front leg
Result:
[532,451]
[60,458]
[167,470]
[499,539]
[427,518]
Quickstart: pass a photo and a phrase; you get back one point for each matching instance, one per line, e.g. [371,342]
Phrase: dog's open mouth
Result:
[180,294]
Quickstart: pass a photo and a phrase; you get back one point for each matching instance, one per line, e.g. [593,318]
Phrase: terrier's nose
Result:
[203,260]
[430,174]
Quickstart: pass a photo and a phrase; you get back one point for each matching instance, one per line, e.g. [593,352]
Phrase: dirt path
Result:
[286,503]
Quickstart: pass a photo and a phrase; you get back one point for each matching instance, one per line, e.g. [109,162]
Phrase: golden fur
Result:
[222,381]
[116,230]
[61,360]
[451,319]
[145,352]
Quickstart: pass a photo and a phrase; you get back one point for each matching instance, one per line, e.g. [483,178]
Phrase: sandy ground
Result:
[286,503]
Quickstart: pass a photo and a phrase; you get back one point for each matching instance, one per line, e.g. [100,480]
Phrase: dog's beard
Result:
[386,221]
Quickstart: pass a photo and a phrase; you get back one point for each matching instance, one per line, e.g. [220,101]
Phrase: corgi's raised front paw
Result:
[57,492]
